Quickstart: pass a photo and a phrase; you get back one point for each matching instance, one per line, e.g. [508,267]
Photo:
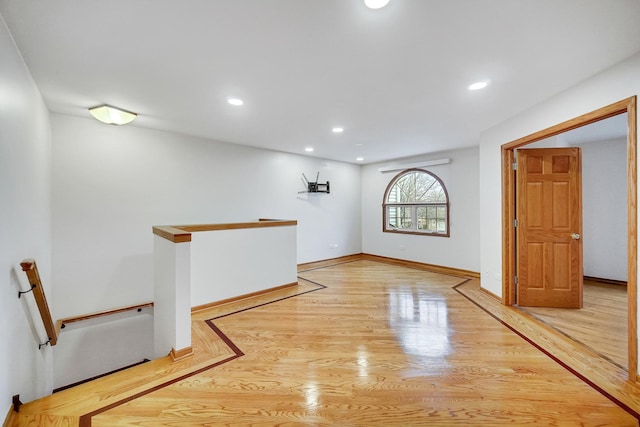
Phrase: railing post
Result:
[172,299]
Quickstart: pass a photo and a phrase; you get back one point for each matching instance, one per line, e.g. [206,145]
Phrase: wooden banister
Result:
[62,322]
[182,233]
[30,268]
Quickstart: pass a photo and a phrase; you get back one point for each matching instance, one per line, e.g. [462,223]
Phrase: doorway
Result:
[508,210]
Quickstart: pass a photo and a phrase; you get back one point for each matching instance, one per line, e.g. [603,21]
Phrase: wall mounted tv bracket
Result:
[314,186]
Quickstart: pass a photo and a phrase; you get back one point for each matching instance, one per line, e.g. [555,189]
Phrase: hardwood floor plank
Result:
[358,343]
[381,345]
[603,375]
[39,420]
[600,325]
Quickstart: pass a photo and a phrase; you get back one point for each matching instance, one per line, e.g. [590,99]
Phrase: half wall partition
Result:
[198,266]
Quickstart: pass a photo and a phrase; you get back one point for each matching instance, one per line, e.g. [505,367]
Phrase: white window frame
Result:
[413,207]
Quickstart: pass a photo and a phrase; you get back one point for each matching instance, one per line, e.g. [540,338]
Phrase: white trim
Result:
[414,165]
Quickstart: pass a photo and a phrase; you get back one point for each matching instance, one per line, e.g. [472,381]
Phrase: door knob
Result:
[575,236]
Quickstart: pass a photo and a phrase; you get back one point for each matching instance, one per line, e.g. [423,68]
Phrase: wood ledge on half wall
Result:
[182,233]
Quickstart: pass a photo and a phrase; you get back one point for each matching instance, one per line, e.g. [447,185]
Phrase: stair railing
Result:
[31,269]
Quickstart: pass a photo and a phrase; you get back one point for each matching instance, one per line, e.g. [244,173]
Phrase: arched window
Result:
[416,202]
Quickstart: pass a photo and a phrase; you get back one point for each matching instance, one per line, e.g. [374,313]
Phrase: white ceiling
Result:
[395,78]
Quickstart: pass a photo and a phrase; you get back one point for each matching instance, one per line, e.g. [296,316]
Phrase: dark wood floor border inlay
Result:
[274,301]
[537,319]
[85,420]
[586,380]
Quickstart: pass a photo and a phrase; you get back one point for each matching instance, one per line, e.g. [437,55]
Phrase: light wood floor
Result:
[600,325]
[360,343]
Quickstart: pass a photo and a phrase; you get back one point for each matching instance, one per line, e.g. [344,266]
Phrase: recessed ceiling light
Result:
[112,115]
[309,149]
[376,4]
[359,159]
[478,85]
[235,101]
[337,129]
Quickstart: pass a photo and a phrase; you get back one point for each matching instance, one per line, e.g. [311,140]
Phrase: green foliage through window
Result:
[416,201]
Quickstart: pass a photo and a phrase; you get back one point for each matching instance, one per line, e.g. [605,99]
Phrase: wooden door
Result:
[549,228]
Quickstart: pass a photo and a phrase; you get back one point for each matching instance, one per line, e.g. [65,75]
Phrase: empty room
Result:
[319,212]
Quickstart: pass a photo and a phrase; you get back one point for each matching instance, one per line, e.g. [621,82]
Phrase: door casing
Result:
[509,210]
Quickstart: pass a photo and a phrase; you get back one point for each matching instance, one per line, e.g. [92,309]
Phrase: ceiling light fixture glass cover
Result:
[376,4]
[478,85]
[337,130]
[235,101]
[112,115]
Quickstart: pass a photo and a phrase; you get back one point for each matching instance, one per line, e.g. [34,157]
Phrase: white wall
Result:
[614,84]
[460,250]
[230,263]
[25,215]
[112,184]
[604,209]
[89,348]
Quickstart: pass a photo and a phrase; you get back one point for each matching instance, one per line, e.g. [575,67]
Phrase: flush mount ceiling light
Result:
[376,4]
[337,129]
[359,159]
[478,85]
[235,101]
[309,149]
[112,115]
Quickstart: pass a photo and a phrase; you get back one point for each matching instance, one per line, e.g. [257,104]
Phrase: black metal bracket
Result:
[44,344]
[315,186]
[16,403]
[26,292]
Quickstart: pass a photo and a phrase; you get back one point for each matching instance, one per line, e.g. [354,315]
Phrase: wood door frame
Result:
[509,210]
